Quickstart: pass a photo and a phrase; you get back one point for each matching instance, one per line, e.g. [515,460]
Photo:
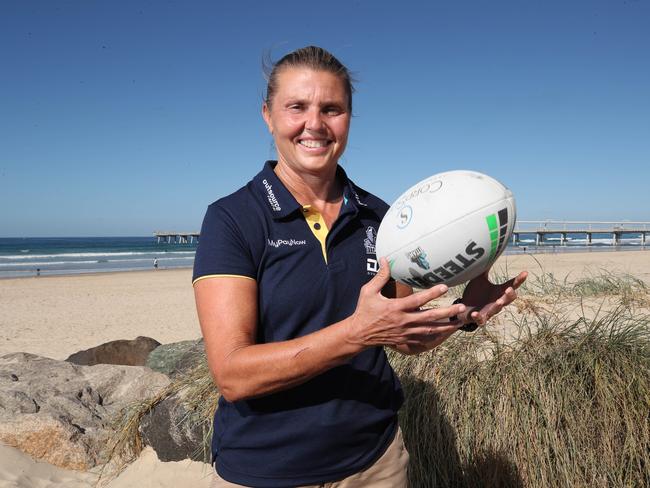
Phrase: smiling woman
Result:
[295,312]
[309,119]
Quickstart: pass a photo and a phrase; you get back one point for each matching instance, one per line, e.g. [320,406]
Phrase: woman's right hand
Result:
[381,321]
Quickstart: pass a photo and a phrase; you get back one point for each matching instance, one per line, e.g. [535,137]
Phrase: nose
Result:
[314,120]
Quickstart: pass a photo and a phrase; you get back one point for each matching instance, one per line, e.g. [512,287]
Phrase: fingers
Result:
[490,310]
[416,300]
[433,329]
[437,314]
[382,277]
[517,281]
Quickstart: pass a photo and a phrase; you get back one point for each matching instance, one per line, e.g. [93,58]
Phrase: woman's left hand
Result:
[485,299]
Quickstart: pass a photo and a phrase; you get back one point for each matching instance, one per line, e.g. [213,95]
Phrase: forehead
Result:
[306,83]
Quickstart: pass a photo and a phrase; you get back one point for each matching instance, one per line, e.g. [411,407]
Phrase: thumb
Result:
[377,283]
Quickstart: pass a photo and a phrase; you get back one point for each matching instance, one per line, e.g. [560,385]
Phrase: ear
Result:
[266,114]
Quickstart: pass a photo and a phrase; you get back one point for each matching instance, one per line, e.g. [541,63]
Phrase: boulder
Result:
[175,432]
[177,357]
[127,352]
[60,412]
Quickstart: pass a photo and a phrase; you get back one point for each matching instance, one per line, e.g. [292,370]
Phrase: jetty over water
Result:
[542,229]
[176,237]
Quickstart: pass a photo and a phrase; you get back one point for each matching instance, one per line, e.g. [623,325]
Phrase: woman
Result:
[293,312]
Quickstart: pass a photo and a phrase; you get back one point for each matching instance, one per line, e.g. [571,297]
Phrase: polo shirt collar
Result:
[352,202]
[282,203]
[280,200]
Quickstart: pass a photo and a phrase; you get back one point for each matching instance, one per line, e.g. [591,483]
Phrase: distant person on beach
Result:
[296,308]
[155,263]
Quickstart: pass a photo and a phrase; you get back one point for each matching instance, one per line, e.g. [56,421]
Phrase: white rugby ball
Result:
[448,228]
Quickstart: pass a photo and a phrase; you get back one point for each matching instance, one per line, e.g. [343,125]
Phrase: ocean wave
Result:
[99,261]
[92,254]
[45,263]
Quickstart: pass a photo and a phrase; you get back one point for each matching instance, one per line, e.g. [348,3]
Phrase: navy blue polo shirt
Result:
[308,277]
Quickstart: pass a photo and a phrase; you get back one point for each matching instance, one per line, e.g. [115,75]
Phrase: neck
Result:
[308,188]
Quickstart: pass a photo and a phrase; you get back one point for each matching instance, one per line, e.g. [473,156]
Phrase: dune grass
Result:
[565,403]
[199,396]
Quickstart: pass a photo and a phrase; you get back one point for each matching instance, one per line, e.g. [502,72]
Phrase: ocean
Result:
[72,255]
[21,257]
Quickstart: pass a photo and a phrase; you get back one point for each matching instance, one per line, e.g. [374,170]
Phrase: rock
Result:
[127,352]
[176,433]
[60,412]
[176,357]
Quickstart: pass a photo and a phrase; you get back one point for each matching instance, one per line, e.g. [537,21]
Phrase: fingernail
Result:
[461,308]
[444,288]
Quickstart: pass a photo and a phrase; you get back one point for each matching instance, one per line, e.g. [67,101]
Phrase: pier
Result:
[176,237]
[541,229]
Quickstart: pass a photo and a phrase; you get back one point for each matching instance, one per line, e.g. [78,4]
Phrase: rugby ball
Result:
[448,228]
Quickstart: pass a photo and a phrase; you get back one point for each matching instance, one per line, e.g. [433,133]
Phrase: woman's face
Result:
[309,119]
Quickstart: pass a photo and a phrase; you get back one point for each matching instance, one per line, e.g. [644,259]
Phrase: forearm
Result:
[259,369]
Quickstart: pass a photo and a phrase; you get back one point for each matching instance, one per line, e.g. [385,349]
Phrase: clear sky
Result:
[125,117]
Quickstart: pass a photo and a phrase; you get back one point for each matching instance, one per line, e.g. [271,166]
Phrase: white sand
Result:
[60,315]
[18,470]
[575,265]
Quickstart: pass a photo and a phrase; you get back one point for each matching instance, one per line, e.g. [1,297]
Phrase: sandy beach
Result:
[57,316]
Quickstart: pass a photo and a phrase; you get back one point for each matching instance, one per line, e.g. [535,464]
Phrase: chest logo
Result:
[372,265]
[285,242]
[369,241]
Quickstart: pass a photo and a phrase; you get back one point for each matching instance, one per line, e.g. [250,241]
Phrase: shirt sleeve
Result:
[223,249]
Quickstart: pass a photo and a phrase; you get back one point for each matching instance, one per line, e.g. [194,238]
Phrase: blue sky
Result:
[125,117]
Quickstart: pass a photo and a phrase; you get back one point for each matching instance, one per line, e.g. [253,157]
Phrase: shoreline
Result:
[94,273]
[509,251]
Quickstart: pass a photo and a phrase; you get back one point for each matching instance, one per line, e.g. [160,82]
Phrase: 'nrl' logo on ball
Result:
[419,257]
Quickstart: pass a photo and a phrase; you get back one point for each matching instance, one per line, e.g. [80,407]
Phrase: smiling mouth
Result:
[313,144]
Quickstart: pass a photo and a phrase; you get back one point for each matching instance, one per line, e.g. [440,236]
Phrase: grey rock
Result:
[176,433]
[127,352]
[177,357]
[60,412]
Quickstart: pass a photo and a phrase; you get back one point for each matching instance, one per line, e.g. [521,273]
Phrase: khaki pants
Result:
[389,471]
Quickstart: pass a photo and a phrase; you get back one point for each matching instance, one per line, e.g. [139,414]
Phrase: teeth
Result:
[310,143]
